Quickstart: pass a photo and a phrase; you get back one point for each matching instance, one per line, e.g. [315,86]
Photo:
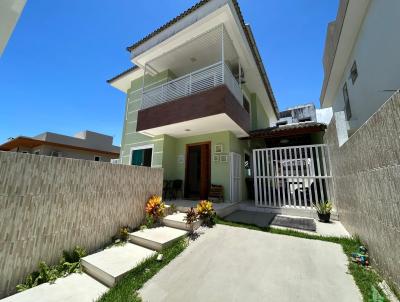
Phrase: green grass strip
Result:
[126,289]
[365,278]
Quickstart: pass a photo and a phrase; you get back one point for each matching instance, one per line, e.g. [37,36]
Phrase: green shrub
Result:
[68,264]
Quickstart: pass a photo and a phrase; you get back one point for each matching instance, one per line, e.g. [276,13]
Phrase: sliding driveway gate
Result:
[292,176]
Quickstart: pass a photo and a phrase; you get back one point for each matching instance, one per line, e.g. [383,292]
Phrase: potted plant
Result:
[324,209]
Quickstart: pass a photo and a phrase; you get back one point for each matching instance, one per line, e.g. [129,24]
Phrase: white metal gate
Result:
[296,176]
[235,178]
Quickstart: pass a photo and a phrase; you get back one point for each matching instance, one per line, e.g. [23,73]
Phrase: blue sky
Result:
[54,69]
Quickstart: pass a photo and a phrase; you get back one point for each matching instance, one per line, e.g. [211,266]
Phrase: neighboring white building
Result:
[10,10]
[361,60]
[305,113]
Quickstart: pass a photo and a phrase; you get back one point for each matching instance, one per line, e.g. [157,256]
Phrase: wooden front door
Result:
[198,170]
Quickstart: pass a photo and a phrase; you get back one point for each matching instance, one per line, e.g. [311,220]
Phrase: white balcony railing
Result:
[197,81]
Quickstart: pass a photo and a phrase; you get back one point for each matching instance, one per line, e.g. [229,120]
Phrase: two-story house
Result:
[197,88]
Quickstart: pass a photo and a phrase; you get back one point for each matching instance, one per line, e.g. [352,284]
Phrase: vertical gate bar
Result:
[273,177]
[309,174]
[301,202]
[287,177]
[266,188]
[257,165]
[282,177]
[305,177]
[279,177]
[264,176]
[319,173]
[259,179]
[314,178]
[304,167]
[324,180]
[269,176]
[276,187]
[255,176]
[297,177]
[321,177]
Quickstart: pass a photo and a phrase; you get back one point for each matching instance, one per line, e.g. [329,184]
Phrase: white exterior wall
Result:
[377,53]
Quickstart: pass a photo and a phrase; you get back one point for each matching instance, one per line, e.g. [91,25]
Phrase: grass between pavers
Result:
[126,290]
[365,278]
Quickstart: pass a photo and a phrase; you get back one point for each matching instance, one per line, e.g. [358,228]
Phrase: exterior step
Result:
[74,287]
[177,221]
[156,238]
[110,265]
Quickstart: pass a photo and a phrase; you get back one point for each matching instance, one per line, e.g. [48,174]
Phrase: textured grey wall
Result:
[366,172]
[50,204]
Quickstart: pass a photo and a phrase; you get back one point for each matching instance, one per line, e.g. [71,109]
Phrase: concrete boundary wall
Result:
[366,171]
[50,204]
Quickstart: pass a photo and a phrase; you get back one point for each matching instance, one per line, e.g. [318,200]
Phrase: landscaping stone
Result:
[110,265]
[73,288]
[177,220]
[156,238]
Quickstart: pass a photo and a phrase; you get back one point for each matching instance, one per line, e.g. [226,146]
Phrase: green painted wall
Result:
[175,156]
[259,118]
[130,138]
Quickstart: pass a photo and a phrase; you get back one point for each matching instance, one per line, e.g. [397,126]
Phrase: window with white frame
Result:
[142,156]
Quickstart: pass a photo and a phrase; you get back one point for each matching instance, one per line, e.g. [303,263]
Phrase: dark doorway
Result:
[198,168]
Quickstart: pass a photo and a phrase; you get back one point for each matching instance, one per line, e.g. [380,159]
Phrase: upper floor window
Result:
[347,108]
[97,158]
[246,104]
[353,72]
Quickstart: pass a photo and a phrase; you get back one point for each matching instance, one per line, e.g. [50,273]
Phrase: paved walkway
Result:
[237,264]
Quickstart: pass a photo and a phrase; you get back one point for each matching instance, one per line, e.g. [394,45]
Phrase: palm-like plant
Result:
[323,207]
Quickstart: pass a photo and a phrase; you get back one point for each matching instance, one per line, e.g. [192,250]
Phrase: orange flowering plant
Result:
[206,212]
[155,208]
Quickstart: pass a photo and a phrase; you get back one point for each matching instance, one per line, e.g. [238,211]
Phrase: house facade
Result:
[10,11]
[197,89]
[86,145]
[361,61]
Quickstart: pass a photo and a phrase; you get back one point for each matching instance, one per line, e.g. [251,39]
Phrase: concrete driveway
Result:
[237,264]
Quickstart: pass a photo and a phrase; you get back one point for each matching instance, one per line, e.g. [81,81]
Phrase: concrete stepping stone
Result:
[156,238]
[110,265]
[177,220]
[73,288]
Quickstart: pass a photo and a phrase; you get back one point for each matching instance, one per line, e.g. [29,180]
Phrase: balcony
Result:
[203,95]
[200,80]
